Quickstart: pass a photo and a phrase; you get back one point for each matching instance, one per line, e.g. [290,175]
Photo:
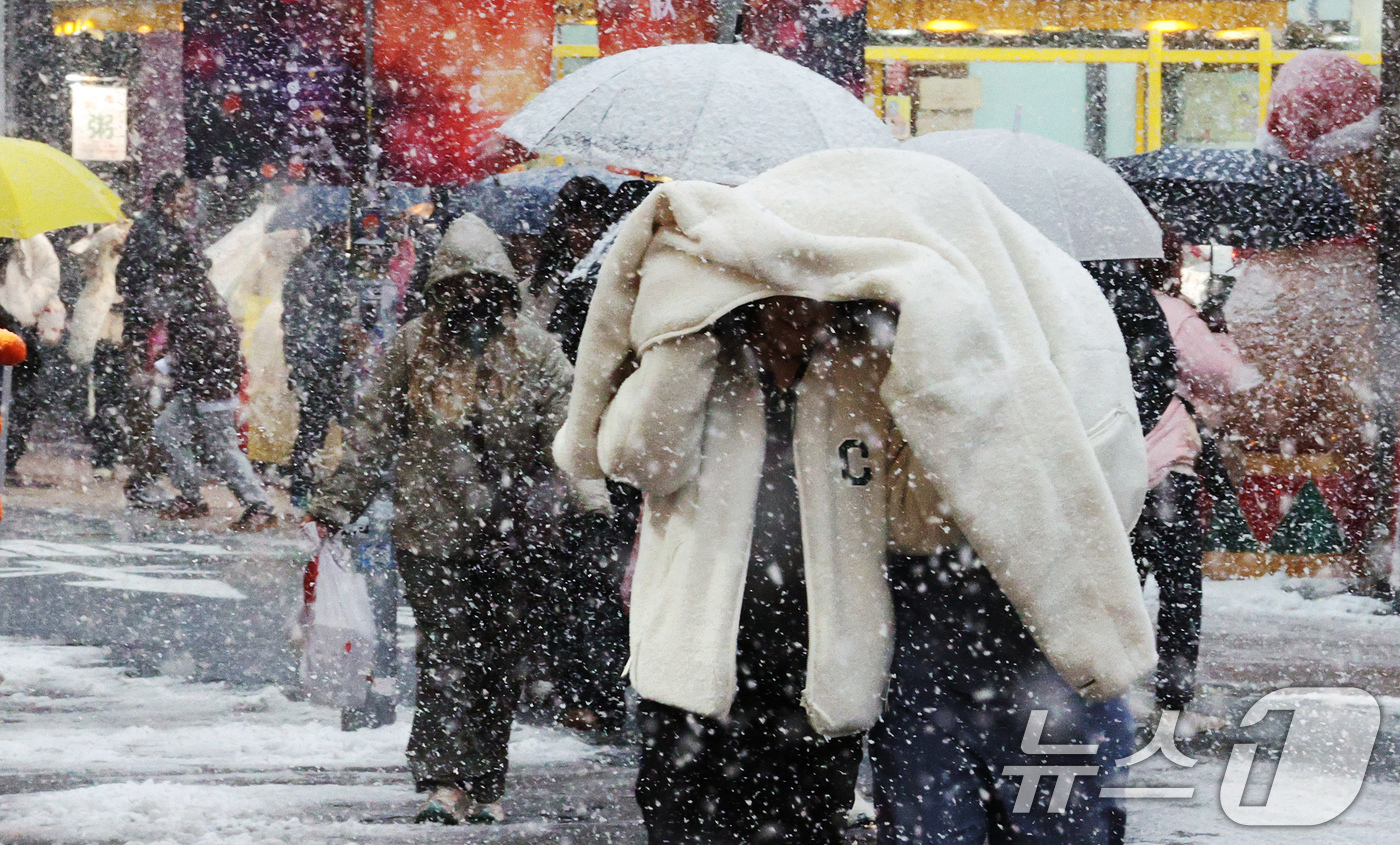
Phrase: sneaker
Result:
[182,508]
[487,813]
[147,498]
[103,473]
[258,517]
[447,805]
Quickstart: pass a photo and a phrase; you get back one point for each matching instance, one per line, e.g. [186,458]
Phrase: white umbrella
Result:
[715,112]
[1077,201]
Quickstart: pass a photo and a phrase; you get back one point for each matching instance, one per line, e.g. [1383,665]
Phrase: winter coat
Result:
[315,302]
[443,492]
[167,278]
[1151,354]
[1208,364]
[29,291]
[1007,377]
[157,255]
[456,430]
[96,315]
[202,343]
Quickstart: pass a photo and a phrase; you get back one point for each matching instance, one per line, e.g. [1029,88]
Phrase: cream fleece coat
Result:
[1007,377]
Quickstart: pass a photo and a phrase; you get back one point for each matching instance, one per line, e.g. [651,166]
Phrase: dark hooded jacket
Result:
[164,277]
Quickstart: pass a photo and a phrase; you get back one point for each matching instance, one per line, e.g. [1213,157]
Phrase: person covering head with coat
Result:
[458,420]
[979,448]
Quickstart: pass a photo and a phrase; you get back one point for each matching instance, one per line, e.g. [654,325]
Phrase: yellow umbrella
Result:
[42,189]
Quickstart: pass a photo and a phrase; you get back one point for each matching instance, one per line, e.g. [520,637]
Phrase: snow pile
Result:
[1279,594]
[167,813]
[69,713]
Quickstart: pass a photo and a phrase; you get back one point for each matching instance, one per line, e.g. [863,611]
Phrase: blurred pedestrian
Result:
[589,626]
[30,307]
[197,428]
[316,303]
[458,420]
[95,341]
[576,289]
[576,221]
[145,275]
[1168,540]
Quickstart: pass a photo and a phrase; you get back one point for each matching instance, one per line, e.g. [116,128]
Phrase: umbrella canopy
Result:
[1243,198]
[319,206]
[715,112]
[42,189]
[519,203]
[1076,200]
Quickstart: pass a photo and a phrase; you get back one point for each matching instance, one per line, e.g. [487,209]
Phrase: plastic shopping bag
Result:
[339,640]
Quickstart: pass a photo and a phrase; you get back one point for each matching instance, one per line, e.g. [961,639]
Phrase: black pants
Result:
[109,386]
[141,454]
[24,399]
[1167,543]
[760,776]
[588,622]
[473,646]
[319,399]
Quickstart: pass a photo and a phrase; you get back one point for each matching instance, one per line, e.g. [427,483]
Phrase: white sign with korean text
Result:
[99,122]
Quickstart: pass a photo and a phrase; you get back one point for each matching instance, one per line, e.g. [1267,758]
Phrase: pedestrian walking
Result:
[315,306]
[458,420]
[144,275]
[576,221]
[590,623]
[95,341]
[29,307]
[197,428]
[1168,540]
[856,352]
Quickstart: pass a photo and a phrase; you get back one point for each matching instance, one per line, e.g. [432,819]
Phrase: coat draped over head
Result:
[1007,377]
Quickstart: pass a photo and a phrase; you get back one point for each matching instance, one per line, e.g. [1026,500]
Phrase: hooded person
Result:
[964,401]
[458,421]
[1307,317]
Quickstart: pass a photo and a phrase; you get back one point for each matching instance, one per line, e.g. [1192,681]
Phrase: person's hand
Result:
[315,530]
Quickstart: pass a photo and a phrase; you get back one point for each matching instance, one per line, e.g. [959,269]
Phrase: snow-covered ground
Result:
[89,753]
[159,760]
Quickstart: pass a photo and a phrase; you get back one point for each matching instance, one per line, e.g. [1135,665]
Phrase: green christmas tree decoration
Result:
[1229,530]
[1309,528]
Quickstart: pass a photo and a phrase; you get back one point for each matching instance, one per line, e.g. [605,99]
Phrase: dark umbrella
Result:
[519,203]
[319,206]
[1242,198]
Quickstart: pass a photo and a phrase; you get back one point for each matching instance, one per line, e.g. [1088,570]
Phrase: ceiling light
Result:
[1169,26]
[945,25]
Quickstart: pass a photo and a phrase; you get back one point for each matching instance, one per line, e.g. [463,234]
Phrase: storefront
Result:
[1110,77]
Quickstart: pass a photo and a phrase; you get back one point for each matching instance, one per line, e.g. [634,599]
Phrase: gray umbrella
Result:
[1077,201]
[716,112]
